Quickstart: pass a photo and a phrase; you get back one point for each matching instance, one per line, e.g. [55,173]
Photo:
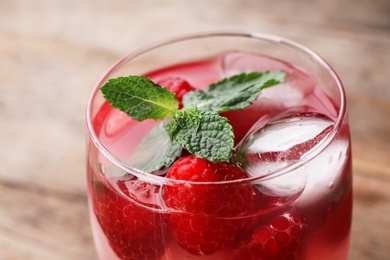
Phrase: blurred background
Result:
[52,52]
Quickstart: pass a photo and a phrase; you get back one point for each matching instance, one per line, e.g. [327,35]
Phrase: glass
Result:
[293,143]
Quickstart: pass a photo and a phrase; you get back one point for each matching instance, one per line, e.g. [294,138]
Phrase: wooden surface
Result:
[52,52]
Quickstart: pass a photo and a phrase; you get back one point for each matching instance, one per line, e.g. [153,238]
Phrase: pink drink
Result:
[290,143]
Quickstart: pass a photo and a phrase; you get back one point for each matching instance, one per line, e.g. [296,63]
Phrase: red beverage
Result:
[288,191]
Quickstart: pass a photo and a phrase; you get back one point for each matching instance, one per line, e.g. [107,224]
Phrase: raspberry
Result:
[132,231]
[200,222]
[177,85]
[279,239]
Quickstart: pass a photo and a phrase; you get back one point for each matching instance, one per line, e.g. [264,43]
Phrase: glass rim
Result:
[272,38]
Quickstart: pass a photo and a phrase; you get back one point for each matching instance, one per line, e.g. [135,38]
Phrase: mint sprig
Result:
[204,134]
[197,127]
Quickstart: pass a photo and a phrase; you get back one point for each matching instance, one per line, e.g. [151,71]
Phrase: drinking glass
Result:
[293,143]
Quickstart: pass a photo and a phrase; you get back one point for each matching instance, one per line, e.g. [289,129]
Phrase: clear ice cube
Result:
[278,144]
[299,84]
[281,142]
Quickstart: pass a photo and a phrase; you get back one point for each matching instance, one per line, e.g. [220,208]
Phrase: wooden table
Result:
[53,52]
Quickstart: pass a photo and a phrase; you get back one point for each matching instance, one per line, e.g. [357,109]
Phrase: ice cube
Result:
[278,144]
[281,142]
[299,83]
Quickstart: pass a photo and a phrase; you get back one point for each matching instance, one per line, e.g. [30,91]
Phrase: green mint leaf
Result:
[204,134]
[156,151]
[234,93]
[140,98]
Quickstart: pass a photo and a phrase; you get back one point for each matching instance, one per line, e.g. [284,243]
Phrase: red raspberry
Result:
[279,239]
[177,85]
[202,221]
[132,231]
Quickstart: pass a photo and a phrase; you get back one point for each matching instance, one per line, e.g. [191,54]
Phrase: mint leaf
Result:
[234,93]
[156,151]
[205,134]
[140,98]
